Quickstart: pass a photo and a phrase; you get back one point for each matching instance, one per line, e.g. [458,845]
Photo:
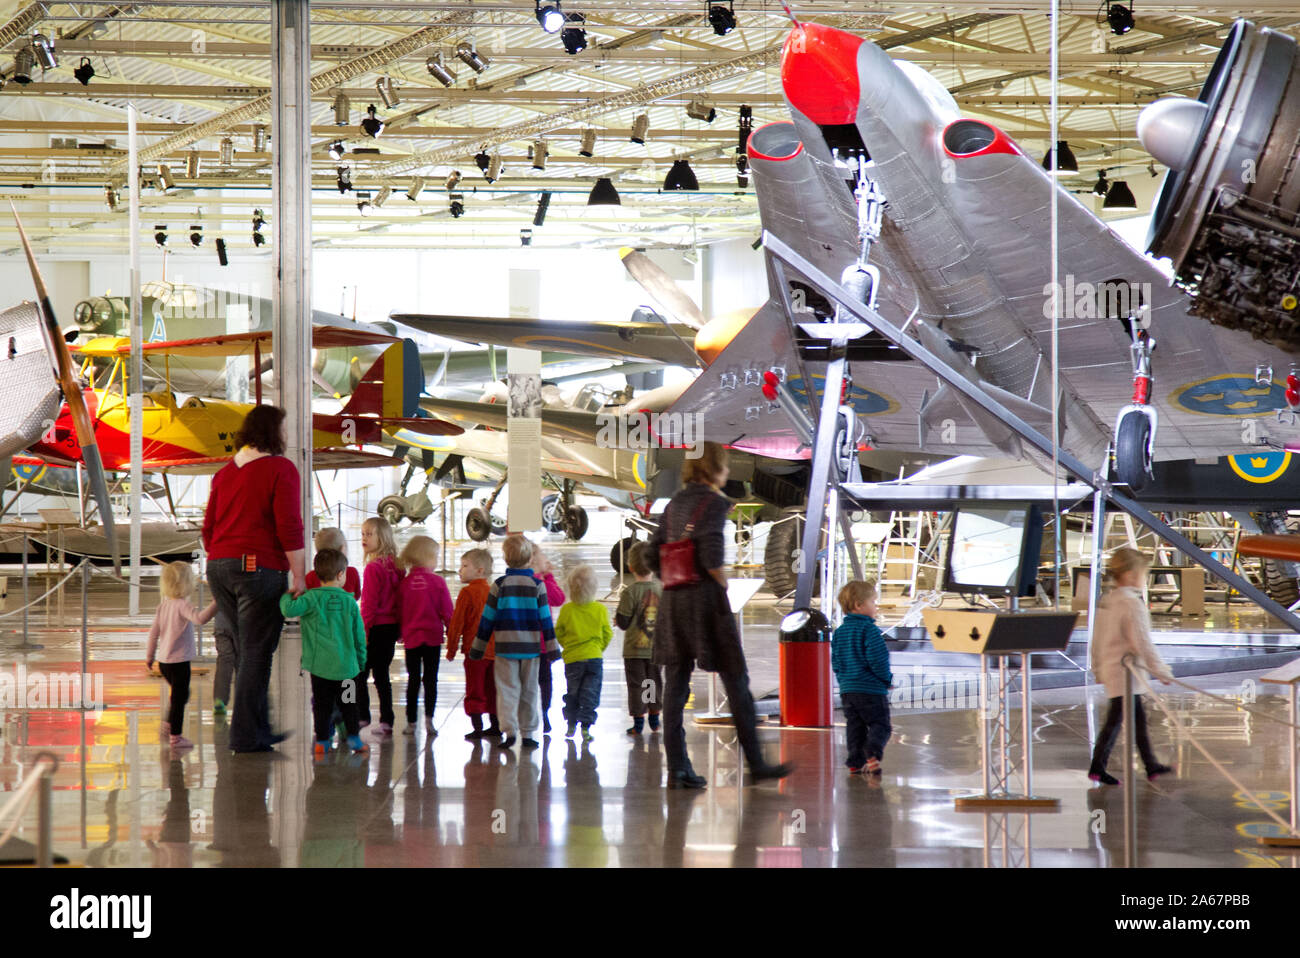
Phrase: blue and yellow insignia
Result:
[1230,395]
[1260,466]
[638,469]
[30,472]
[864,401]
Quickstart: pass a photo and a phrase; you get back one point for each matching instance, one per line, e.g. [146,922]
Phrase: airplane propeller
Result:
[662,287]
[65,373]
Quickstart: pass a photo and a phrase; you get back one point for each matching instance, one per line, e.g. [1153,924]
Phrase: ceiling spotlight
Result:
[160,235]
[438,70]
[742,171]
[221,252]
[681,177]
[543,204]
[24,63]
[722,19]
[549,15]
[1120,18]
[1151,168]
[192,164]
[372,126]
[258,220]
[387,93]
[227,153]
[111,197]
[84,71]
[453,179]
[336,150]
[1119,197]
[1102,184]
[1066,163]
[744,126]
[344,181]
[481,159]
[342,109]
[382,196]
[574,36]
[457,206]
[43,50]
[259,138]
[470,56]
[588,147]
[196,236]
[604,194]
[259,239]
[539,154]
[495,168]
[525,237]
[640,127]
[699,110]
[363,204]
[165,179]
[413,191]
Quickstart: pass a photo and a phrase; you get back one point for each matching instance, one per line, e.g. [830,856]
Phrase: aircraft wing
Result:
[648,341]
[321,459]
[231,344]
[556,423]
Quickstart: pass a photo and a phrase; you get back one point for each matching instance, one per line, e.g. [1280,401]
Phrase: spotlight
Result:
[699,110]
[640,127]
[227,152]
[382,196]
[337,149]
[43,50]
[111,198]
[1102,185]
[681,177]
[470,56]
[457,206]
[481,159]
[722,19]
[543,204]
[1119,197]
[1151,168]
[258,220]
[259,138]
[160,235]
[221,252]
[387,93]
[342,109]
[742,171]
[549,15]
[439,71]
[196,236]
[344,181]
[525,237]
[192,164]
[1120,18]
[574,36]
[165,179]
[24,63]
[539,154]
[372,126]
[84,71]
[413,191]
[758,243]
[604,194]
[588,147]
[364,206]
[1066,163]
[495,168]
[258,239]
[744,126]
[453,179]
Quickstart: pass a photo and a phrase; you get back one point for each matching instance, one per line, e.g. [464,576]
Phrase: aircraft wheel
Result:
[627,545]
[498,524]
[1132,451]
[552,521]
[784,540]
[575,522]
[477,525]
[393,509]
[1280,586]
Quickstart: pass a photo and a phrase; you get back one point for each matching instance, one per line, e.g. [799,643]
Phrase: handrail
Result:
[47,763]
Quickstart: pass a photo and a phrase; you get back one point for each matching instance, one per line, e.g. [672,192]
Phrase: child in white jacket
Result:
[1123,628]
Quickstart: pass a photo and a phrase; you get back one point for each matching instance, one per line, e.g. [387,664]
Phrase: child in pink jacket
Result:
[379,613]
[424,609]
[171,644]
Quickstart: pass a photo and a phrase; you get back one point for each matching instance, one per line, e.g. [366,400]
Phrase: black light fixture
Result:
[258,222]
[372,126]
[469,55]
[85,70]
[681,177]
[1120,18]
[344,181]
[452,181]
[700,110]
[337,150]
[543,204]
[1119,197]
[574,34]
[525,237]
[742,171]
[640,127]
[221,252]
[364,206]
[482,160]
[24,63]
[196,236]
[1066,162]
[549,15]
[744,127]
[160,235]
[457,205]
[111,197]
[1102,184]
[588,147]
[722,19]
[1151,168]
[604,194]
[258,239]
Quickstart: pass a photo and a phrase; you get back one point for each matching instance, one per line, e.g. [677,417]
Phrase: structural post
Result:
[291,255]
[136,385]
[1130,791]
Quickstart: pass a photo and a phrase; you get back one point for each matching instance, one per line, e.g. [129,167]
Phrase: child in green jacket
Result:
[583,633]
[333,647]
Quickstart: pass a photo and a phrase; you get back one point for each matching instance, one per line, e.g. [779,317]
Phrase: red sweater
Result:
[379,593]
[425,608]
[351,585]
[254,510]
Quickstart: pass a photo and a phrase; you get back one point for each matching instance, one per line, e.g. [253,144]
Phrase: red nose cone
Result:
[819,70]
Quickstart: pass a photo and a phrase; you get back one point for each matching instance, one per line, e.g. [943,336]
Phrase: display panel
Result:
[994,550]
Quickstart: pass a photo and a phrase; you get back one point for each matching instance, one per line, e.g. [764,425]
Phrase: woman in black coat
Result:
[695,623]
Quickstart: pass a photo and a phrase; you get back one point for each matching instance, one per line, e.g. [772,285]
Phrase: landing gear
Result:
[1135,426]
[567,514]
[479,521]
[575,522]
[622,549]
[552,515]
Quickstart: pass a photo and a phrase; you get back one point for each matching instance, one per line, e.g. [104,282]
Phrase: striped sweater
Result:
[518,616]
[859,657]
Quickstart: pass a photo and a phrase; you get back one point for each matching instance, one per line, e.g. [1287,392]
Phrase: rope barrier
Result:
[58,585]
[1234,703]
[24,796]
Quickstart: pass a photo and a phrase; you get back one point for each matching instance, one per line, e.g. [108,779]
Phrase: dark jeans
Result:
[544,683]
[677,689]
[422,658]
[645,687]
[227,666]
[584,679]
[1110,731]
[381,641]
[177,675]
[251,601]
[326,699]
[868,720]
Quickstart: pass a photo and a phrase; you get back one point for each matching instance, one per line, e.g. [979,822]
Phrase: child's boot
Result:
[477,722]
[654,721]
[638,723]
[586,733]
[356,745]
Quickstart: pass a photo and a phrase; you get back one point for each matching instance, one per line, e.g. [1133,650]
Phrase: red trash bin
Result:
[805,660]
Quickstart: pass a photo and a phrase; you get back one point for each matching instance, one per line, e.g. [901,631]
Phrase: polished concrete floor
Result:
[122,799]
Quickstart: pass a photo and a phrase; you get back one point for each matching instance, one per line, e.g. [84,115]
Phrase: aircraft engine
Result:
[1228,214]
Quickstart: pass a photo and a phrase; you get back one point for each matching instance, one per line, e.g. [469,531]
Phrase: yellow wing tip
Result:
[625,251]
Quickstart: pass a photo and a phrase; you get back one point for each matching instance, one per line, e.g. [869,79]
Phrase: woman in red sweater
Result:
[252,531]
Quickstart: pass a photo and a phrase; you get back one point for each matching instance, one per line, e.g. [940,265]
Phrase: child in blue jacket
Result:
[861,664]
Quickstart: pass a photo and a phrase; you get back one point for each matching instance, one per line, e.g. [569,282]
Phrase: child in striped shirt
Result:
[860,661]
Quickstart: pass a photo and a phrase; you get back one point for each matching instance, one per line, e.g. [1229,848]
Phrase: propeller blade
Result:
[662,288]
[65,373]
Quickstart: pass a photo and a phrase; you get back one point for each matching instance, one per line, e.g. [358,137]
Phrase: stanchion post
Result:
[85,616]
[1130,793]
[1027,723]
[1295,770]
[45,821]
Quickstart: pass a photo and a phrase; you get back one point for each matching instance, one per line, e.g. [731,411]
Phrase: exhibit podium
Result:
[999,635]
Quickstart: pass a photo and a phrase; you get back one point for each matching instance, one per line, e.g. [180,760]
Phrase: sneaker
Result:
[1155,771]
[507,742]
[382,730]
[634,730]
[1103,778]
[356,745]
[873,766]
[530,743]
[855,771]
[586,733]
[180,741]
[218,707]
[572,730]
[428,725]
[686,779]
[409,730]
[321,748]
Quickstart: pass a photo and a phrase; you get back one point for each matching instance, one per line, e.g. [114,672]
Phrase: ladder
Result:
[900,554]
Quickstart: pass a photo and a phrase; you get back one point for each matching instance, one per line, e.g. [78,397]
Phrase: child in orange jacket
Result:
[480,686]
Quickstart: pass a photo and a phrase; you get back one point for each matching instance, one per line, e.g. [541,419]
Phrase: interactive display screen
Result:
[994,549]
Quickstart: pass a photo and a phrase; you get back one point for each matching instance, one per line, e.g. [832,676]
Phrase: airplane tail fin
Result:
[391,387]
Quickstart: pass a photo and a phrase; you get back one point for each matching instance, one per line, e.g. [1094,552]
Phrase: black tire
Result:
[1131,451]
[783,539]
[552,521]
[477,525]
[393,509]
[626,545]
[1281,587]
[575,523]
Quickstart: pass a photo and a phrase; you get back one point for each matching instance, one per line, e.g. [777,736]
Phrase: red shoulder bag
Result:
[677,565]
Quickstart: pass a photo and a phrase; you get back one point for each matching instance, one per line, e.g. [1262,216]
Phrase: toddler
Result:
[583,633]
[171,643]
[379,612]
[424,609]
[480,687]
[860,661]
[638,608]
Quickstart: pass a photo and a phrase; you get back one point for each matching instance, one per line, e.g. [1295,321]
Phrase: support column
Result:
[291,199]
[136,384]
